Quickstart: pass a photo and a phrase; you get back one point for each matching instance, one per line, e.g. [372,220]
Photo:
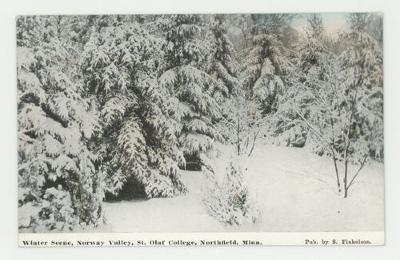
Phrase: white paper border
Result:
[201,239]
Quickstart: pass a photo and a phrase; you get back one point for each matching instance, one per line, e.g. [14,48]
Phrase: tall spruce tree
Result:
[266,62]
[187,61]
[121,64]
[59,188]
[225,69]
[224,65]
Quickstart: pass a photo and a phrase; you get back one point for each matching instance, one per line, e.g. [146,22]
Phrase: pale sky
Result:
[333,22]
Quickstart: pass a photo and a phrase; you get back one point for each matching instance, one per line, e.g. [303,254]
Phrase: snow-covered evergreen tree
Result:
[54,126]
[121,65]
[225,69]
[266,62]
[227,199]
[224,66]
[187,61]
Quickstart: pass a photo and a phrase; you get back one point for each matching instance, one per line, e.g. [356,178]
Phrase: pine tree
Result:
[54,126]
[225,69]
[224,66]
[121,65]
[187,58]
[266,62]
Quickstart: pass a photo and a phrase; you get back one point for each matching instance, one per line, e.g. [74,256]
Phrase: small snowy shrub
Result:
[52,213]
[227,198]
[56,212]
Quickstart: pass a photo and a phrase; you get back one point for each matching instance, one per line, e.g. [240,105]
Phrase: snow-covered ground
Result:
[180,214]
[293,189]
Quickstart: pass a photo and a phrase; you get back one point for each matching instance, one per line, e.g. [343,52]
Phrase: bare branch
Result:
[314,130]
[358,171]
[254,143]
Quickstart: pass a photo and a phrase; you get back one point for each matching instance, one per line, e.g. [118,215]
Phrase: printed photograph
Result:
[177,123]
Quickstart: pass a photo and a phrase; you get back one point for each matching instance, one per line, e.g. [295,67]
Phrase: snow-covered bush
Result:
[54,212]
[227,198]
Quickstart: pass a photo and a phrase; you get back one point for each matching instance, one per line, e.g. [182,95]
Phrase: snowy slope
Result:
[293,189]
